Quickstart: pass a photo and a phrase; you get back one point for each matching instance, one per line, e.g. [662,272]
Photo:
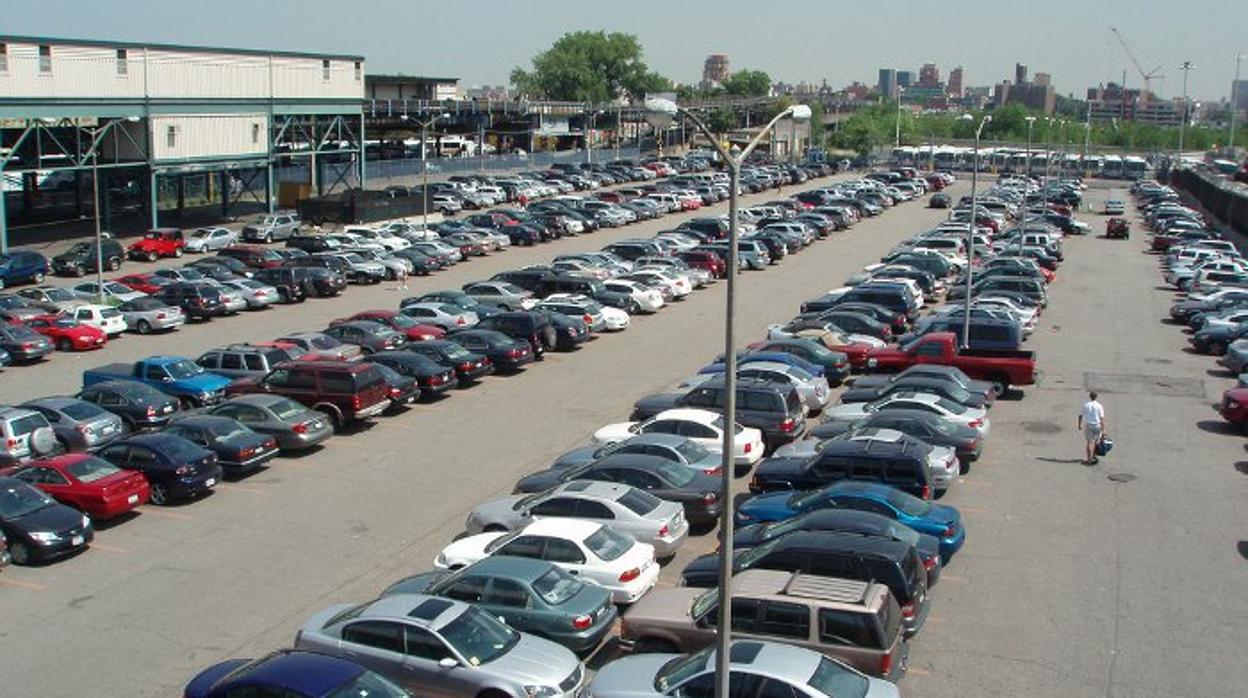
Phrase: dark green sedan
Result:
[532,596]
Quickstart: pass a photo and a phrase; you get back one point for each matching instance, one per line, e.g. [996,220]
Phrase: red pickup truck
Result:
[1002,368]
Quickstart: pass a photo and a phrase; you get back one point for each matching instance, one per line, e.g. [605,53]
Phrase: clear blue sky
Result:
[793,40]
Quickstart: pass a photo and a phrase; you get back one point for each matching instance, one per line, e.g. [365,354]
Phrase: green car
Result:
[532,596]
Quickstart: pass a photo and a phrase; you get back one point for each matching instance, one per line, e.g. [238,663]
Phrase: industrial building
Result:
[156,120]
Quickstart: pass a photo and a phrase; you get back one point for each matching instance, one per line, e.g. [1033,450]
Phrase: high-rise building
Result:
[955,82]
[1239,94]
[1043,79]
[887,85]
[715,70]
[905,78]
[1020,73]
[929,75]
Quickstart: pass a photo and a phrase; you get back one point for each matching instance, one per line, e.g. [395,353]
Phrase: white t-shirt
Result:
[1093,413]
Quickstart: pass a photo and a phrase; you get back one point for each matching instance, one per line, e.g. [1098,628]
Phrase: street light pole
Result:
[970,235]
[1031,121]
[424,170]
[897,129]
[1230,138]
[1187,66]
[99,235]
[660,112]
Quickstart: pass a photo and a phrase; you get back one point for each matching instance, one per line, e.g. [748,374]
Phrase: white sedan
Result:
[953,412]
[679,286]
[701,426]
[648,300]
[589,550]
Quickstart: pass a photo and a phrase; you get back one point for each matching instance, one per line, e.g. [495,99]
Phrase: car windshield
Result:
[478,637]
[19,499]
[323,342]
[226,429]
[803,500]
[607,544]
[286,410]
[57,295]
[835,679]
[368,685]
[143,304]
[677,670]
[751,555]
[704,603]
[557,586]
[183,368]
[692,451]
[116,288]
[80,411]
[179,449]
[675,473]
[907,504]
[951,406]
[90,469]
[639,502]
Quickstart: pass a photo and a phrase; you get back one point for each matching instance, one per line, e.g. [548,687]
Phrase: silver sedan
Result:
[813,390]
[258,295]
[622,508]
[147,315]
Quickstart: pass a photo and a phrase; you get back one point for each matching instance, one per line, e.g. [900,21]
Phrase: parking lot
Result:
[1071,584]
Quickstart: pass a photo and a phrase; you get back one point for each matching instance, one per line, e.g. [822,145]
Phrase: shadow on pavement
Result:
[1243,549]
[1242,467]
[1214,427]
[1066,461]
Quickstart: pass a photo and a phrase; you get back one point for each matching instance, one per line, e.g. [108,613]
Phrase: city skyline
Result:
[415,40]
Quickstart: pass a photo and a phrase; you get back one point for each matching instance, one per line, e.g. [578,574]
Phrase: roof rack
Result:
[826,588]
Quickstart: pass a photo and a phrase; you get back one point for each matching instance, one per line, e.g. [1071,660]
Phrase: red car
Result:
[701,259]
[156,243]
[66,333]
[412,330]
[1234,407]
[144,283]
[89,484]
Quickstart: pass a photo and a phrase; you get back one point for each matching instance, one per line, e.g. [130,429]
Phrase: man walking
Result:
[1092,422]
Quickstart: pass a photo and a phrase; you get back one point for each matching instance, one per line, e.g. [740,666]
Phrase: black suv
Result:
[81,258]
[594,288]
[313,243]
[533,279]
[892,563]
[534,328]
[198,301]
[773,408]
[285,280]
[901,464]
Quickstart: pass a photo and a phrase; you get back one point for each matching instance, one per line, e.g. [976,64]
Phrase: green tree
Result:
[590,67]
[748,83]
[721,121]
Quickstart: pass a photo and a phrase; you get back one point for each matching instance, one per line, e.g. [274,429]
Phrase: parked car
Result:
[79,425]
[139,406]
[82,257]
[21,267]
[157,243]
[506,353]
[146,315]
[210,239]
[532,596]
[175,467]
[89,484]
[197,301]
[175,375]
[292,674]
[24,434]
[371,337]
[432,377]
[679,449]
[104,318]
[321,346]
[447,638]
[272,227]
[411,329]
[293,426]
[36,527]
[345,392]
[23,344]
[468,366]
[66,333]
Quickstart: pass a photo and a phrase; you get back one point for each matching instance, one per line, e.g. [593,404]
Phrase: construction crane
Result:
[1149,76]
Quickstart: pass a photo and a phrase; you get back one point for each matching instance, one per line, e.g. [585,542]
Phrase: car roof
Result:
[430,611]
[562,528]
[592,489]
[803,586]
[689,415]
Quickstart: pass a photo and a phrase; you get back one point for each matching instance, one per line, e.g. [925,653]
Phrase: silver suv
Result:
[24,434]
[422,641]
[280,226]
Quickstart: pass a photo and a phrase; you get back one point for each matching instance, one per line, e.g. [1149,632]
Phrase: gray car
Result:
[778,669]
[622,508]
[279,226]
[294,426]
[24,434]
[813,390]
[673,447]
[258,295]
[439,647]
[323,347]
[501,294]
[79,425]
[146,315]
[371,337]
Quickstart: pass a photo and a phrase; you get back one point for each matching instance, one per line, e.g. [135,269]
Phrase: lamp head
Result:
[660,112]
[799,112]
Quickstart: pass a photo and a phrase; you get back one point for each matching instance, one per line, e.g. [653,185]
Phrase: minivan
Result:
[895,564]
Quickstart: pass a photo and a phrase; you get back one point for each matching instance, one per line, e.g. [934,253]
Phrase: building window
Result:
[255,133]
[171,136]
[325,70]
[4,58]
[123,65]
[359,70]
[45,59]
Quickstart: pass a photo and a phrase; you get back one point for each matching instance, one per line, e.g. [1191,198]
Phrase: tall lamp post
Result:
[1031,121]
[897,129]
[1230,138]
[1186,67]
[970,228]
[660,112]
[424,168]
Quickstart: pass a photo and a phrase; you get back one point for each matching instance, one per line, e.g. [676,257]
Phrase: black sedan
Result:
[371,337]
[925,426]
[140,406]
[36,526]
[469,366]
[936,385]
[570,332]
[175,467]
[433,378]
[404,389]
[238,448]
[698,492]
[505,353]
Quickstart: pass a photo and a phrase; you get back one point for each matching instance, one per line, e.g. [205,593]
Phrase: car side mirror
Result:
[448,663]
[166,379]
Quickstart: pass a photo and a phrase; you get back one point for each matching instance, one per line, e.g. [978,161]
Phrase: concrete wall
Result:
[1218,196]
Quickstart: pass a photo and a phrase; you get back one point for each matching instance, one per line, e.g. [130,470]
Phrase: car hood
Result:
[467,549]
[54,517]
[629,676]
[773,506]
[655,404]
[540,481]
[582,455]
[536,661]
[207,382]
[614,432]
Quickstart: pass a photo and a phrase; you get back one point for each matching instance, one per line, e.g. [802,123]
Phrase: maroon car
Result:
[1234,407]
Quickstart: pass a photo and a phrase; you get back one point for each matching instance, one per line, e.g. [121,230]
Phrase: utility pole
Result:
[1187,66]
[1230,138]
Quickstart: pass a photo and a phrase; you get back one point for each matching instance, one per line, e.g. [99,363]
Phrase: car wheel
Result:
[177,252]
[114,263]
[159,496]
[80,270]
[38,277]
[268,237]
[144,327]
[64,344]
[151,256]
[20,553]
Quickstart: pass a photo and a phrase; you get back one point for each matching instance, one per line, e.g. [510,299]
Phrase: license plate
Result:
[317,424]
[77,540]
[210,482]
[132,499]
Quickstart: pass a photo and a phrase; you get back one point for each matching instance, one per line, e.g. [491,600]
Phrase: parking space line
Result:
[109,548]
[951,577]
[914,671]
[154,511]
[230,487]
[22,585]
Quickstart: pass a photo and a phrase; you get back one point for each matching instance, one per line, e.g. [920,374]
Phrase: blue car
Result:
[942,521]
[771,356]
[20,267]
[294,674]
[175,467]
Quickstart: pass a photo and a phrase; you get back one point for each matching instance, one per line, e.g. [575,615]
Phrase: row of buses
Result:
[1012,160]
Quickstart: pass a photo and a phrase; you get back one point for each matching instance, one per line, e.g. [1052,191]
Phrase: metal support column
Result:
[363,150]
[268,187]
[4,223]
[225,194]
[154,193]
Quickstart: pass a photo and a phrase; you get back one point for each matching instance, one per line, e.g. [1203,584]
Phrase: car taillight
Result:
[82,428]
[160,316]
[907,611]
[300,428]
[356,402]
[10,443]
[394,392]
[514,353]
[183,470]
[589,319]
[926,492]
[886,663]
[466,365]
[976,423]
[435,380]
[662,531]
[710,497]
[789,424]
[151,410]
[630,575]
[949,531]
[28,346]
[460,320]
[258,294]
[717,470]
[748,447]
[582,621]
[929,564]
